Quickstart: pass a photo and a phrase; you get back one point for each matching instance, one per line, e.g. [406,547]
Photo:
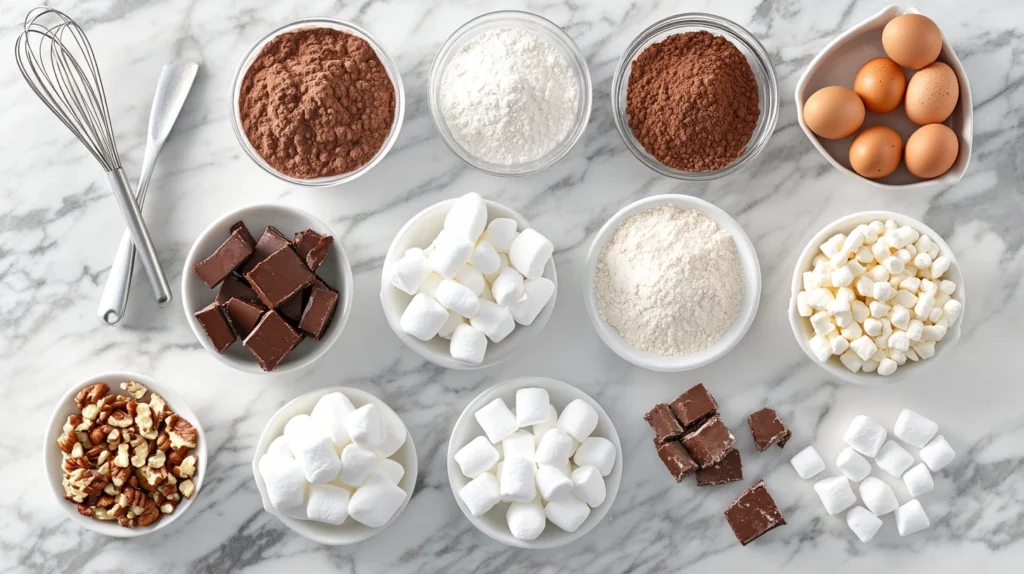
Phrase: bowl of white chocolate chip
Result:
[877,297]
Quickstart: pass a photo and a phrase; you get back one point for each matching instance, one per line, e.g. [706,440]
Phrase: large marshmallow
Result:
[554,448]
[588,485]
[356,464]
[480,494]
[500,232]
[394,434]
[375,502]
[537,293]
[914,429]
[328,504]
[852,465]
[448,329]
[496,420]
[526,520]
[485,258]
[910,518]
[494,321]
[519,444]
[597,451]
[937,454]
[807,463]
[530,252]
[313,449]
[540,428]
[409,272]
[390,470]
[471,278]
[365,426]
[532,406]
[468,345]
[507,287]
[863,523]
[456,297]
[567,513]
[468,217]
[918,480]
[450,252]
[835,493]
[552,483]
[579,419]
[423,318]
[285,483]
[517,480]
[502,263]
[865,435]
[477,457]
[279,447]
[894,459]
[878,496]
[330,413]
[430,284]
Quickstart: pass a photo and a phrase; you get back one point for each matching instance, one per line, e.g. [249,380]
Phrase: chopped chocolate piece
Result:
[279,277]
[767,429]
[240,225]
[318,282]
[694,407]
[213,321]
[234,287]
[319,312]
[304,242]
[710,442]
[678,462]
[243,315]
[270,242]
[729,469]
[319,252]
[753,514]
[232,253]
[664,423]
[292,308]
[271,340]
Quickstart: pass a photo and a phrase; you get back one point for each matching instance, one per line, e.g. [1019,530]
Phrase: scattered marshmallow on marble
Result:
[567,513]
[863,523]
[375,502]
[481,494]
[328,504]
[911,518]
[596,451]
[853,465]
[497,422]
[533,407]
[835,493]
[313,449]
[579,419]
[588,485]
[937,454]
[878,496]
[518,483]
[526,520]
[918,480]
[894,459]
[807,463]
[552,483]
[865,436]
[914,429]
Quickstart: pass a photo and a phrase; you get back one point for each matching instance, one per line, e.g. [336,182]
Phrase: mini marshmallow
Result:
[924,349]
[864,284]
[532,406]
[519,444]
[904,256]
[937,454]
[933,332]
[450,254]
[567,513]
[842,277]
[537,293]
[467,217]
[284,480]
[328,504]
[526,520]
[390,470]
[878,496]
[854,240]
[872,327]
[365,426]
[865,436]
[530,252]
[851,332]
[471,278]
[922,261]
[356,464]
[899,316]
[540,428]
[596,451]
[882,291]
[517,480]
[807,463]
[330,413]
[851,361]
[924,305]
[579,419]
[835,493]
[838,343]
[915,330]
[468,345]
[863,347]
[864,524]
[822,323]
[947,287]
[880,250]
[914,429]
[869,366]
[918,480]
[313,449]
[454,320]
[878,309]
[894,265]
[279,447]
[821,347]
[820,298]
[507,287]
[500,232]
[910,518]
[899,341]
[893,459]
[493,320]
[854,466]
[554,448]
[552,483]
[423,318]
[485,258]
[480,494]
[887,366]
[936,313]
[458,298]
[496,420]
[864,254]
[409,272]
[802,307]
[477,457]
[940,266]
[832,245]
[950,312]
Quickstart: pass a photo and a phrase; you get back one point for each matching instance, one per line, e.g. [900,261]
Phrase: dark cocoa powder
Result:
[692,101]
[317,102]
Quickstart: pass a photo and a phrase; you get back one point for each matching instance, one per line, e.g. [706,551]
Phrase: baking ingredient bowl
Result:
[389,66]
[801,326]
[493,523]
[420,231]
[52,454]
[748,305]
[745,42]
[545,29]
[350,532]
[335,271]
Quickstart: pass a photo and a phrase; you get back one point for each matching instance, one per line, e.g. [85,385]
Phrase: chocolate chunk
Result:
[232,253]
[279,277]
[664,423]
[319,252]
[304,242]
[729,469]
[753,514]
[767,429]
[292,308]
[271,340]
[319,312]
[710,442]
[694,407]
[243,315]
[234,287]
[244,231]
[213,321]
[270,242]
[678,462]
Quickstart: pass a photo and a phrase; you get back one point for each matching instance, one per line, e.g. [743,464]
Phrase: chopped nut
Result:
[167,508]
[120,475]
[144,420]
[91,394]
[187,467]
[84,510]
[87,481]
[90,412]
[163,442]
[158,406]
[95,452]
[187,488]
[67,441]
[83,437]
[102,514]
[176,457]
[110,489]
[74,463]
[105,501]
[120,419]
[121,460]
[113,402]
[102,459]
[134,389]
[150,478]
[99,433]
[158,460]
[141,455]
[131,407]
[150,513]
[183,434]
[77,450]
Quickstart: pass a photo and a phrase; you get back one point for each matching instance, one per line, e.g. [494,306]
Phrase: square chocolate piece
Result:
[271,340]
[216,326]
[292,308]
[753,514]
[233,287]
[767,429]
[279,277]
[710,442]
[664,423]
[678,462]
[304,242]
[318,253]
[270,242]
[319,312]
[729,469]
[244,232]
[243,315]
[694,407]
[228,257]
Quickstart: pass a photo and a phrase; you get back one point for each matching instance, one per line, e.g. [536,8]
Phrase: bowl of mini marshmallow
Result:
[467,281]
[336,465]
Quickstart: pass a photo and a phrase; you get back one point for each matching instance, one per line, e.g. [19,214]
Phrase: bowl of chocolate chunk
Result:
[266,288]
[317,102]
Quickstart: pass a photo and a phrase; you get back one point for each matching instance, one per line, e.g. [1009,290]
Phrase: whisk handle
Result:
[140,235]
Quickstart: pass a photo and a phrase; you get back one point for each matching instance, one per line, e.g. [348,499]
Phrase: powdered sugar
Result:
[670,281]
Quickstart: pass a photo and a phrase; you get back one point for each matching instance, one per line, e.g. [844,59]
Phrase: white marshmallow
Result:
[554,448]
[540,428]
[530,252]
[853,332]
[356,464]
[936,313]
[517,480]
[365,426]
[552,483]
[822,323]
[532,406]
[854,466]
[477,457]
[390,470]
[918,480]
[820,298]
[915,330]
[937,454]
[454,320]
[468,344]
[537,293]
[910,518]
[375,502]
[869,366]
[878,309]
[835,493]
[485,258]
[947,287]
[878,496]
[285,482]
[481,494]
[313,449]
[450,253]
[526,520]
[807,463]
[865,436]
[950,312]
[328,504]
[887,366]
[330,413]
[467,217]
[838,343]
[579,419]
[922,261]
[882,291]
[423,318]
[394,434]
[596,451]
[851,361]
[924,305]
[842,276]
[409,272]
[864,284]
[810,280]
[893,459]
[864,524]
[430,284]
[872,327]
[456,297]
[899,316]
[821,347]
[933,332]
[588,485]
[500,232]
[567,513]
[802,306]
[914,429]
[279,447]
[471,278]
[863,347]
[940,266]
[894,265]
[496,420]
[924,349]
[832,245]
[898,341]
[493,320]
[519,444]
[507,287]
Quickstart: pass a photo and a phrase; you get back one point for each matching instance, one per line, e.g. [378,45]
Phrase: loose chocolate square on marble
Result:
[753,514]
[678,462]
[271,340]
[710,442]
[279,277]
[216,326]
[292,308]
[694,407]
[319,311]
[767,429]
[233,287]
[318,253]
[243,315]
[729,469]
[244,232]
[228,257]
[270,242]
[304,242]
[664,423]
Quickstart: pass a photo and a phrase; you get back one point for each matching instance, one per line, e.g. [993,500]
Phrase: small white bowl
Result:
[837,65]
[335,270]
[420,231]
[748,306]
[493,523]
[350,532]
[802,326]
[52,455]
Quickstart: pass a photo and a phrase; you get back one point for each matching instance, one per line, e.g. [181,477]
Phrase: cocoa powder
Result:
[692,101]
[317,102]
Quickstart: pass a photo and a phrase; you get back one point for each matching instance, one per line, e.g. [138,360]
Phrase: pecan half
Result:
[113,402]
[150,513]
[91,394]
[67,441]
[182,433]
[98,434]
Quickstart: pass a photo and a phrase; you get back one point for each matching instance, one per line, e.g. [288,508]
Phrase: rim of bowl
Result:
[848,222]
[546,29]
[737,35]
[55,428]
[420,347]
[596,514]
[301,527]
[389,66]
[338,323]
[736,332]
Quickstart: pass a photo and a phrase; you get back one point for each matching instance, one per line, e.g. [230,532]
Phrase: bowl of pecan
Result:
[124,455]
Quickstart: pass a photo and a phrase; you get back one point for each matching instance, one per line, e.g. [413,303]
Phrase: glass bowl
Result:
[389,66]
[767,88]
[547,30]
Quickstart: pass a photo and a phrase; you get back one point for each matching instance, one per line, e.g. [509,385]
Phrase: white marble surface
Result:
[59,228]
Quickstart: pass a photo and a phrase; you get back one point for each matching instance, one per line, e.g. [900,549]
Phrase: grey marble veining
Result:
[59,228]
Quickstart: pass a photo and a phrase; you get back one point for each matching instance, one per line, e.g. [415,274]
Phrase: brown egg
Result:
[932,94]
[834,112]
[931,151]
[912,40]
[880,83]
[876,152]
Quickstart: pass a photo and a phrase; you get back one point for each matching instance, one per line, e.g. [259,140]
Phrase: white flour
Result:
[670,281]
[509,96]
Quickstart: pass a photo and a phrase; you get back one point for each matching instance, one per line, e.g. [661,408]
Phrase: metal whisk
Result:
[58,63]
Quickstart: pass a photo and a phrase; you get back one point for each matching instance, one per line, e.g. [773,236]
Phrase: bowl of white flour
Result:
[672,283]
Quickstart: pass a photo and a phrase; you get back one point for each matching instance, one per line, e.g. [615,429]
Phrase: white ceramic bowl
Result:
[802,326]
[493,523]
[420,231]
[350,532]
[52,455]
[837,65]
[732,336]
[335,270]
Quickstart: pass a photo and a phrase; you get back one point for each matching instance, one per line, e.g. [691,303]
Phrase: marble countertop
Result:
[59,227]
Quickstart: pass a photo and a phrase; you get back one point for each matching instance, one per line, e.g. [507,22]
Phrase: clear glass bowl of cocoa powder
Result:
[385,59]
[749,47]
